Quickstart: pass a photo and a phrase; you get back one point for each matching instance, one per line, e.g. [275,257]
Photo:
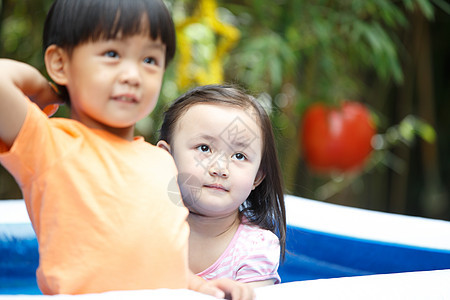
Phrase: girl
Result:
[222,142]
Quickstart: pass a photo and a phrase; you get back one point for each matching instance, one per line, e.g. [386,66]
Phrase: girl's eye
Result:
[112,54]
[239,156]
[204,148]
[150,61]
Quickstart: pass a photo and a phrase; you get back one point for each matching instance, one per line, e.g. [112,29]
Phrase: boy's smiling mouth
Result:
[128,98]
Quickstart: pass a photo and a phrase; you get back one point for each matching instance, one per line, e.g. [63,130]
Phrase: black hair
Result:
[265,204]
[72,22]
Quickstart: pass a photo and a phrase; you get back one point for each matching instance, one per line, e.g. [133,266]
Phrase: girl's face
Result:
[114,83]
[217,150]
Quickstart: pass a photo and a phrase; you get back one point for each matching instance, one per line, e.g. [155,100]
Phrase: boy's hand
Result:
[47,98]
[17,80]
[222,288]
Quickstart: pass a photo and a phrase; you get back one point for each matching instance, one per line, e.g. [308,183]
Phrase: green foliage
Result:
[331,43]
[263,61]
[322,48]
[21,29]
[296,51]
[407,130]
[303,51]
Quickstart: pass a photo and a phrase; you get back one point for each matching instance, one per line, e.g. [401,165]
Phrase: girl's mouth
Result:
[216,186]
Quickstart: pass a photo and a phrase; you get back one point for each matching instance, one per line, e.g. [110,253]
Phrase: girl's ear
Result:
[55,62]
[164,145]
[258,179]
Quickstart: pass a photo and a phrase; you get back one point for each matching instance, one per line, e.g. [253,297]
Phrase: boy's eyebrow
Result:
[157,45]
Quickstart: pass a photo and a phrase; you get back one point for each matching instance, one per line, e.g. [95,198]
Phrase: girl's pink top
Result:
[252,255]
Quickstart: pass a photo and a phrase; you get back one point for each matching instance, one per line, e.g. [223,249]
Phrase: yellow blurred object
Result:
[213,72]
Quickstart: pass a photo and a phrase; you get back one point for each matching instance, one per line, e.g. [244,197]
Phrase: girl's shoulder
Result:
[257,249]
[255,236]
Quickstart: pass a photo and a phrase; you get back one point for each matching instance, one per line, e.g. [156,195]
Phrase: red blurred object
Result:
[337,139]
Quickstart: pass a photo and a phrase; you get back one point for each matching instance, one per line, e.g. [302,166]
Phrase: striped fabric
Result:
[252,255]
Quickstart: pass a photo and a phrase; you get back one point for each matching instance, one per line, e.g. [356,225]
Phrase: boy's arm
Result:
[221,288]
[16,80]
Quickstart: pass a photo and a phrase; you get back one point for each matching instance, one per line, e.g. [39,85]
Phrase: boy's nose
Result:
[130,75]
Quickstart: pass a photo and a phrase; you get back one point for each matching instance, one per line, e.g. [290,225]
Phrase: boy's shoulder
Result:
[158,154]
[156,150]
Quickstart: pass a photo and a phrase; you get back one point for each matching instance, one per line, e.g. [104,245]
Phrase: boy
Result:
[96,195]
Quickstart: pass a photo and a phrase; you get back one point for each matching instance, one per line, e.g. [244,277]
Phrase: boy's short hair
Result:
[73,22]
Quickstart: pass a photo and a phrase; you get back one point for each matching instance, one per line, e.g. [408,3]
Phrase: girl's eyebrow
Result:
[207,137]
[241,140]
[235,144]
[243,146]
[240,144]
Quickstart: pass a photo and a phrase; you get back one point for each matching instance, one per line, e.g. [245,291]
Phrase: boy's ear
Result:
[55,61]
[164,145]
[258,179]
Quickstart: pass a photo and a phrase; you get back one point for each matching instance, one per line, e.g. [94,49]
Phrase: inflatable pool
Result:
[332,252]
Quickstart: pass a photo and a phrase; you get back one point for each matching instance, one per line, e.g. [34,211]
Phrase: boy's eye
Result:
[112,54]
[150,60]
[204,148]
[239,156]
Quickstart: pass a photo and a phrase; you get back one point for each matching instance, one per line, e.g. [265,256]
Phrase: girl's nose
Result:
[219,167]
[218,171]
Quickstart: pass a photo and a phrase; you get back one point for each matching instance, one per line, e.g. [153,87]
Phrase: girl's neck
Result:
[213,226]
[210,237]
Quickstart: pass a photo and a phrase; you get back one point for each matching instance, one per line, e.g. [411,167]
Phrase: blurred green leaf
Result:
[407,129]
[421,128]
[426,8]
[442,4]
[263,61]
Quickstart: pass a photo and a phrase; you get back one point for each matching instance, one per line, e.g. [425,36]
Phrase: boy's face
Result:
[114,83]
[217,150]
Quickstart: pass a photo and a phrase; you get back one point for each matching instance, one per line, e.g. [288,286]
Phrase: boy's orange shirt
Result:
[106,211]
